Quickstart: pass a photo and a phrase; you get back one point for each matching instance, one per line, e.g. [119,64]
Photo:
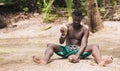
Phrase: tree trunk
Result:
[2,22]
[94,19]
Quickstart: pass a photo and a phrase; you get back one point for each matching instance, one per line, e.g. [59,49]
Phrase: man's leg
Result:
[97,55]
[51,48]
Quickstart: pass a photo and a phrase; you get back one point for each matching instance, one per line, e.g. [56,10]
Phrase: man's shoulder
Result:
[85,29]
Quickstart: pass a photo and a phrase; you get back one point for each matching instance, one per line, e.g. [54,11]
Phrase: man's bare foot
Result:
[39,60]
[106,61]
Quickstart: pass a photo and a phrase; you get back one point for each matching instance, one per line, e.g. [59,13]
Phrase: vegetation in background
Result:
[83,7]
[7,1]
[113,3]
[69,9]
[47,10]
[49,7]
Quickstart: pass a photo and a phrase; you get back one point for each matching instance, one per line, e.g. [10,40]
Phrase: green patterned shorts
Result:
[66,51]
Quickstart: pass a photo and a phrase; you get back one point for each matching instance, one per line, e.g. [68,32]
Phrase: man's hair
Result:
[77,13]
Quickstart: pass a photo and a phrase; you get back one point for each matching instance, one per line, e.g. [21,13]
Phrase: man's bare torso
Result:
[74,36]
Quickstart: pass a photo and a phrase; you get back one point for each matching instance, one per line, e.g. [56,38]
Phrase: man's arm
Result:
[82,47]
[83,42]
[63,30]
[62,39]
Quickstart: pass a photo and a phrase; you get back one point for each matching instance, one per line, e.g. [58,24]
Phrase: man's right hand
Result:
[63,30]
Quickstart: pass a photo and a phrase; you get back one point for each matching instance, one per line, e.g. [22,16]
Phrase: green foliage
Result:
[28,5]
[106,14]
[50,18]
[7,1]
[69,9]
[47,10]
[25,9]
[39,5]
[69,6]
[98,2]
[44,3]
[46,27]
[113,3]
[83,7]
[46,6]
[59,3]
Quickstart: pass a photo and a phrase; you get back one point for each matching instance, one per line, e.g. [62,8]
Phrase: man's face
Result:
[76,20]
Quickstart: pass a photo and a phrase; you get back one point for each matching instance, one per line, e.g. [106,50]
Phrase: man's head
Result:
[77,17]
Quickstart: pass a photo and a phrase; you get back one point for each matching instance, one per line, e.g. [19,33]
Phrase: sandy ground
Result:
[19,44]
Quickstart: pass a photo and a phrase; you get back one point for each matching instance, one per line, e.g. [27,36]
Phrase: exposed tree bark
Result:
[2,22]
[94,19]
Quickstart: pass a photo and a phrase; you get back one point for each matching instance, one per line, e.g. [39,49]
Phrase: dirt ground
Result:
[18,45]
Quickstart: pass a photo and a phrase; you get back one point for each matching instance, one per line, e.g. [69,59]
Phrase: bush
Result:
[28,5]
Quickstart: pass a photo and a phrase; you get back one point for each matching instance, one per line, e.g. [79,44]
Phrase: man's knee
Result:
[51,45]
[95,46]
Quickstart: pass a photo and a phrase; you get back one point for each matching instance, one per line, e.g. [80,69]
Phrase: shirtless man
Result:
[76,44]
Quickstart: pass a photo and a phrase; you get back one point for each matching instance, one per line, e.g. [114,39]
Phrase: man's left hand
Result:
[75,58]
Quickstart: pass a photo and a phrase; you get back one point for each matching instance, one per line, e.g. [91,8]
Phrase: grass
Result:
[46,27]
[4,53]
[1,59]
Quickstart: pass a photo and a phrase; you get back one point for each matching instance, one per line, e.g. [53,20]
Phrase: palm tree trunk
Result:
[94,19]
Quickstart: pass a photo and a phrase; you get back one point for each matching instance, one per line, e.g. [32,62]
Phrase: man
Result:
[76,47]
